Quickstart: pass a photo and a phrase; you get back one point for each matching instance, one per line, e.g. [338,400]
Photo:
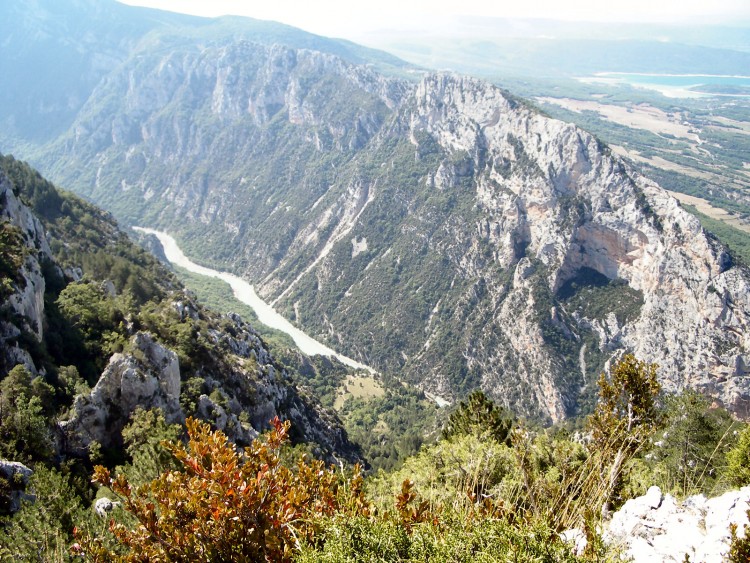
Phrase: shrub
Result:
[479,415]
[625,417]
[42,530]
[691,451]
[738,460]
[223,505]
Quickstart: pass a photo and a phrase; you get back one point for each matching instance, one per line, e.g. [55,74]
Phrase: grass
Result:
[359,387]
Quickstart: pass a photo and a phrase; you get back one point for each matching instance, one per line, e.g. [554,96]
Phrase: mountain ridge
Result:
[116,320]
[443,230]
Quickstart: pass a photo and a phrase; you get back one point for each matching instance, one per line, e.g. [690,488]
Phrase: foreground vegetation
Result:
[492,489]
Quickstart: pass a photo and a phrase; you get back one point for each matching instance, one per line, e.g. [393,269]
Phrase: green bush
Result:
[738,460]
[479,415]
[690,452]
[43,530]
[456,538]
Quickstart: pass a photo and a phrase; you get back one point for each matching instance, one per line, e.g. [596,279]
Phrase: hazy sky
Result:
[350,18]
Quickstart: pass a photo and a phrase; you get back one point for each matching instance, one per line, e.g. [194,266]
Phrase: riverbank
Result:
[245,293]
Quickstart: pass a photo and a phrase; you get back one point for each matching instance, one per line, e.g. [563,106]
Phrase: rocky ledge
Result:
[657,528]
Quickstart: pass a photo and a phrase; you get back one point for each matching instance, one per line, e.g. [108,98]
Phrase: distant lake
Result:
[675,85]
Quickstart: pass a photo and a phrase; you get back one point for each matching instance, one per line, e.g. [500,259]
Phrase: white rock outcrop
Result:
[147,377]
[17,476]
[657,528]
[27,299]
[103,506]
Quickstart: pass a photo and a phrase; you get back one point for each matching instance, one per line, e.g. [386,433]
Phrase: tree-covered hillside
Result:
[95,330]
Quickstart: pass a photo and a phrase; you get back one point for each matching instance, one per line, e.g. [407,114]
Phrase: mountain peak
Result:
[442,231]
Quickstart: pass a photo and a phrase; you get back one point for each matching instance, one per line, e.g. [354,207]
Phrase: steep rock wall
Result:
[504,249]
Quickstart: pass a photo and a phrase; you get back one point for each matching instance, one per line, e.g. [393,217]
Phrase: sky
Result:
[352,19]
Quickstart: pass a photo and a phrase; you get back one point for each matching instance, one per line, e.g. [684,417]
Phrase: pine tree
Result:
[480,416]
[43,529]
[625,416]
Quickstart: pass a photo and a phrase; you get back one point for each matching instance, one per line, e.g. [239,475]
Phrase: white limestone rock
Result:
[27,300]
[576,538]
[17,475]
[104,506]
[149,377]
[656,527]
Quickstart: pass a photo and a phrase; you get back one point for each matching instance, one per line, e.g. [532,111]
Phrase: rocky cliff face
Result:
[442,231]
[148,377]
[227,376]
[240,377]
[23,307]
[90,38]
[558,257]
[572,207]
[16,477]
[656,527]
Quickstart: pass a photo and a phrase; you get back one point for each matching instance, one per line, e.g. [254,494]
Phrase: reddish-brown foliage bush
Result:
[225,505]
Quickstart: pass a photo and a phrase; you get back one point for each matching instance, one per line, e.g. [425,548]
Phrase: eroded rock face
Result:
[147,377]
[250,381]
[577,207]
[17,476]
[26,302]
[656,527]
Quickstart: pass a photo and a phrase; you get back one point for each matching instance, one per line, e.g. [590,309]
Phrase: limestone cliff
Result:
[537,221]
[441,230]
[657,527]
[23,308]
[148,377]
[240,377]
[573,207]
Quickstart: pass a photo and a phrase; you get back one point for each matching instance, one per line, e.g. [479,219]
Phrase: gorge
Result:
[245,293]
[430,226]
[411,316]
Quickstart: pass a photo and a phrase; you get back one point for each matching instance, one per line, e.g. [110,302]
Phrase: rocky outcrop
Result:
[103,506]
[244,390]
[147,376]
[24,307]
[658,528]
[248,380]
[15,476]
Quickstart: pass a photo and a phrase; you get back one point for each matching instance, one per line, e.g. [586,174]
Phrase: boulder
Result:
[17,476]
[147,377]
[104,506]
[656,527]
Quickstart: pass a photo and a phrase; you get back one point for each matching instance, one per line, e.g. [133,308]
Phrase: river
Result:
[245,292]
